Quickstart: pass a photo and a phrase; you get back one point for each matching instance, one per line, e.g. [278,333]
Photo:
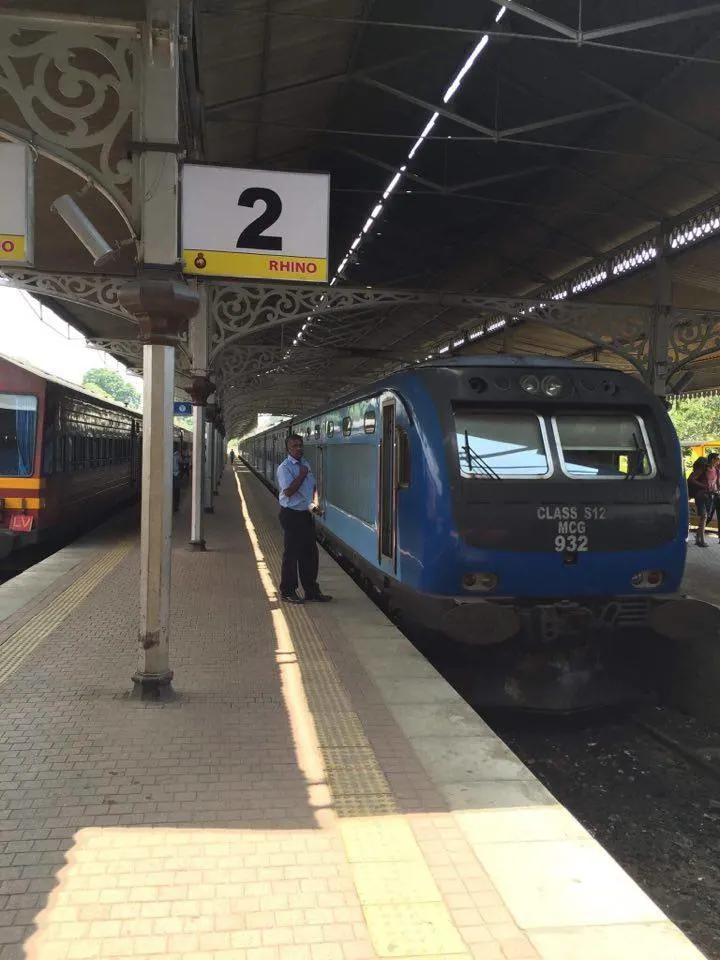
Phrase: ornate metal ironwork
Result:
[691,338]
[237,311]
[260,371]
[130,351]
[238,362]
[75,86]
[87,290]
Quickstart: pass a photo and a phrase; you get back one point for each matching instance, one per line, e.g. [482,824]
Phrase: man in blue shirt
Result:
[296,486]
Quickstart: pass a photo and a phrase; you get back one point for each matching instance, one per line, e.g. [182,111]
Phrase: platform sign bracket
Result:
[255,224]
[16,204]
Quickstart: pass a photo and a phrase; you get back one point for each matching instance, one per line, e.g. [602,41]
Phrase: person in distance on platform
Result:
[297,504]
[699,487]
[713,478]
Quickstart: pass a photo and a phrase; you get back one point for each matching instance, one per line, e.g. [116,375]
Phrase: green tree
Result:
[697,418]
[98,391]
[115,385]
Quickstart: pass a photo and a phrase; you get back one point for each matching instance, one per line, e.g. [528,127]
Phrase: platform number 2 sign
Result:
[255,223]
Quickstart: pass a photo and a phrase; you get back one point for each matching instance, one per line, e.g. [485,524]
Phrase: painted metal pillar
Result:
[219,460]
[197,540]
[209,462]
[163,304]
[156,515]
[661,323]
[199,391]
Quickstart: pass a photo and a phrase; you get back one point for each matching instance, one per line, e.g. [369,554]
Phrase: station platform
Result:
[316,791]
[702,569]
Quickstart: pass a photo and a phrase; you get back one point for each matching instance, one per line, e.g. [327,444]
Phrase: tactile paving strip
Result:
[356,783]
[21,643]
[404,911]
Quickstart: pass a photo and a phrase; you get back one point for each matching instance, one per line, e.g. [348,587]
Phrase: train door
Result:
[388,501]
[320,478]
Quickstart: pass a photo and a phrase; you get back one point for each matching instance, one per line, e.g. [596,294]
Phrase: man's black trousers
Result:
[300,552]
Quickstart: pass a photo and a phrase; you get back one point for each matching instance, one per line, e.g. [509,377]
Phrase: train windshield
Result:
[603,446]
[18,418]
[497,446]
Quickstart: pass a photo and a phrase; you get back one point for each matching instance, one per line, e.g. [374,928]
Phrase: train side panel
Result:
[66,458]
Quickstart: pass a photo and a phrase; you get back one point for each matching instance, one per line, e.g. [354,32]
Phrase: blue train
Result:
[533,503]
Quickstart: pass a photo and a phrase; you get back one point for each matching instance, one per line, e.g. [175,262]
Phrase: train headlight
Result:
[647,579]
[484,581]
[529,383]
[552,386]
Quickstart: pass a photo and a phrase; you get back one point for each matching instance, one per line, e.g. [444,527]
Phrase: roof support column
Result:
[220,458]
[163,307]
[209,485]
[216,465]
[199,391]
[661,322]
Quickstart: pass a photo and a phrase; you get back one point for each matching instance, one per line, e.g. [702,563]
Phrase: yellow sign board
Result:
[16,203]
[259,224]
[260,266]
[12,248]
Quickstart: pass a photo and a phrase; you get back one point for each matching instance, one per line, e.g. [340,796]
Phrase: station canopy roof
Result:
[578,143]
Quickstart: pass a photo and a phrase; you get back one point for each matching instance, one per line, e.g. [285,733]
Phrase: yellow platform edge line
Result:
[28,637]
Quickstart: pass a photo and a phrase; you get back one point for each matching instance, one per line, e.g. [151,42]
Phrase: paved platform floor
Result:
[702,570]
[315,792]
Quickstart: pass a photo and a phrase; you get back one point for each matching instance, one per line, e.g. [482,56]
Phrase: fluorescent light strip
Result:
[392,185]
[500,14]
[394,182]
[429,125]
[453,88]
[416,146]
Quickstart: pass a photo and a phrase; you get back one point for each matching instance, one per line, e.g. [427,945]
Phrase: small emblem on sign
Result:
[200,261]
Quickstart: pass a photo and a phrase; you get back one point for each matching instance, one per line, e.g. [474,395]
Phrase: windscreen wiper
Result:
[640,452]
[474,459]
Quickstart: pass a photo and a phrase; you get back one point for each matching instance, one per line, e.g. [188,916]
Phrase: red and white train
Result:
[67,457]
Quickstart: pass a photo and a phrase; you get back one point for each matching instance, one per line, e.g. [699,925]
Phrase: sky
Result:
[33,333]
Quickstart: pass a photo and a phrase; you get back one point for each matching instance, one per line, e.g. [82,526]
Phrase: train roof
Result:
[508,360]
[466,362]
[51,378]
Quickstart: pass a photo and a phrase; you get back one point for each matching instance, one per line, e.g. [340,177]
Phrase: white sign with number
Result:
[16,203]
[255,223]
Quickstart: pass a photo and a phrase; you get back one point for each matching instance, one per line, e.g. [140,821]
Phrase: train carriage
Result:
[67,457]
[498,499]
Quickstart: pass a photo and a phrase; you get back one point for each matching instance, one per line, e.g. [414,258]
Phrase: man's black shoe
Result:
[318,598]
[291,597]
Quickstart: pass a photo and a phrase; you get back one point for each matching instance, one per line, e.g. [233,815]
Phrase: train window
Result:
[317,431]
[347,426]
[497,445]
[403,458]
[603,446]
[330,428]
[369,421]
[18,420]
[308,432]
